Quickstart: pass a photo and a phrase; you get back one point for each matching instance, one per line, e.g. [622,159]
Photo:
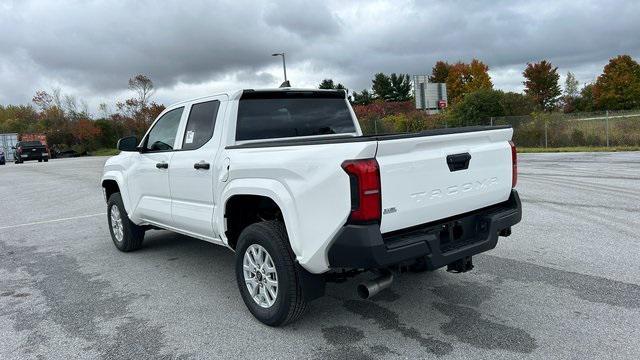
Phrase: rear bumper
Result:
[33,156]
[441,242]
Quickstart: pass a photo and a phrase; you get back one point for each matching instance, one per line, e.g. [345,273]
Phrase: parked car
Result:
[30,150]
[286,180]
[3,159]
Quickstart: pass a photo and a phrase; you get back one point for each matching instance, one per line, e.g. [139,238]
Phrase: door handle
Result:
[201,166]
[162,165]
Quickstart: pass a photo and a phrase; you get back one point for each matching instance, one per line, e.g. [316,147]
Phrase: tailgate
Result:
[424,178]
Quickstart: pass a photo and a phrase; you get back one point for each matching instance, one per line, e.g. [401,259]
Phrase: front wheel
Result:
[126,235]
[266,274]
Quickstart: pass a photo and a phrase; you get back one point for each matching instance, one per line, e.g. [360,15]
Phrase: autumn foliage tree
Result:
[461,78]
[618,87]
[541,84]
[67,122]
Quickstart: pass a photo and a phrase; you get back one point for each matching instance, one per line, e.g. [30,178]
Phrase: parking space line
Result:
[51,221]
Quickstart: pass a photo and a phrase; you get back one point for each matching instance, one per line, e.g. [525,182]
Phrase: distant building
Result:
[430,97]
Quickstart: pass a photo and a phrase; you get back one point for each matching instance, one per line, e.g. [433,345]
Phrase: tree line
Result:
[68,123]
[386,106]
[472,98]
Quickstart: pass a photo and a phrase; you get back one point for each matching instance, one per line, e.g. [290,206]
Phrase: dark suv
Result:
[30,150]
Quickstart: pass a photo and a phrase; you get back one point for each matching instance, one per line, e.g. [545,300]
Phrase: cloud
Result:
[90,49]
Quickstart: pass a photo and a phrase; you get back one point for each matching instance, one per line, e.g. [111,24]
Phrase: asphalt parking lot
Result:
[566,284]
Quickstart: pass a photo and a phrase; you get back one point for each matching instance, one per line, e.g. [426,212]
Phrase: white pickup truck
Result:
[285,179]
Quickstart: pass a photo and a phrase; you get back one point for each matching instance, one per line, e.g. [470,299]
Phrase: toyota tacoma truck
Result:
[286,180]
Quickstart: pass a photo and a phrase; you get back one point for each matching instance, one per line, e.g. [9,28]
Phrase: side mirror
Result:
[129,143]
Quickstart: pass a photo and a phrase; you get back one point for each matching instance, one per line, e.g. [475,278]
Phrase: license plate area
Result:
[462,232]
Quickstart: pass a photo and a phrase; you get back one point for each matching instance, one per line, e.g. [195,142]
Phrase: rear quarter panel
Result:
[309,185]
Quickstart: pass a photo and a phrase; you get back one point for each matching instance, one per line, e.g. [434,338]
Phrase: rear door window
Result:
[200,125]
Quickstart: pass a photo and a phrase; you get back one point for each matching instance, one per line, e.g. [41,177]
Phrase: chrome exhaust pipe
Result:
[370,288]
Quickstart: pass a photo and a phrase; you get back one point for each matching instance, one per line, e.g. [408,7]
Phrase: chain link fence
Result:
[596,129]
[551,130]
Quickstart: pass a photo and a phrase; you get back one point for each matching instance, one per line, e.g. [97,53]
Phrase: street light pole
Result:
[284,67]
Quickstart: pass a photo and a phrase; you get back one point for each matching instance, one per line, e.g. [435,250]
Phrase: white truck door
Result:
[192,171]
[148,178]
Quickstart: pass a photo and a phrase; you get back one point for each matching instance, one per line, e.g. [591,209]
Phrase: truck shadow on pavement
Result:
[448,309]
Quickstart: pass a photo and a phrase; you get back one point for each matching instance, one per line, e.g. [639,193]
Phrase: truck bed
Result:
[317,140]
[417,185]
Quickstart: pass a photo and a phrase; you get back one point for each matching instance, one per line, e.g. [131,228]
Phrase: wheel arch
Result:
[252,196]
[112,183]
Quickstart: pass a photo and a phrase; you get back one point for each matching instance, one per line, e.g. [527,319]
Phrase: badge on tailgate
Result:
[458,161]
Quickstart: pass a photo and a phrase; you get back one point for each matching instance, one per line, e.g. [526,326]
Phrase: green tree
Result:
[619,85]
[394,87]
[571,85]
[381,86]
[440,72]
[584,102]
[516,104]
[327,84]
[542,84]
[570,92]
[361,98]
[400,87]
[476,108]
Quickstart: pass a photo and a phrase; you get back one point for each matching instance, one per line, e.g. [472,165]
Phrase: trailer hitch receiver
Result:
[459,266]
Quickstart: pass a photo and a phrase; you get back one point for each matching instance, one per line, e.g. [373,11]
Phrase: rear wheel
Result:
[126,235]
[46,160]
[266,274]
[39,160]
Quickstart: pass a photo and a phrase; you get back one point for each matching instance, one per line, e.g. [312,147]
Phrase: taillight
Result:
[19,149]
[514,164]
[364,176]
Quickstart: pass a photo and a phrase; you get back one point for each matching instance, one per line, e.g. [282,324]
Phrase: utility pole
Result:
[284,68]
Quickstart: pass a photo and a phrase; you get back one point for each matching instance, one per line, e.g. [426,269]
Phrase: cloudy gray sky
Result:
[191,48]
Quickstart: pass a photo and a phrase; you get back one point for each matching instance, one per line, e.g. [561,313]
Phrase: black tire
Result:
[39,160]
[290,303]
[46,160]
[132,233]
